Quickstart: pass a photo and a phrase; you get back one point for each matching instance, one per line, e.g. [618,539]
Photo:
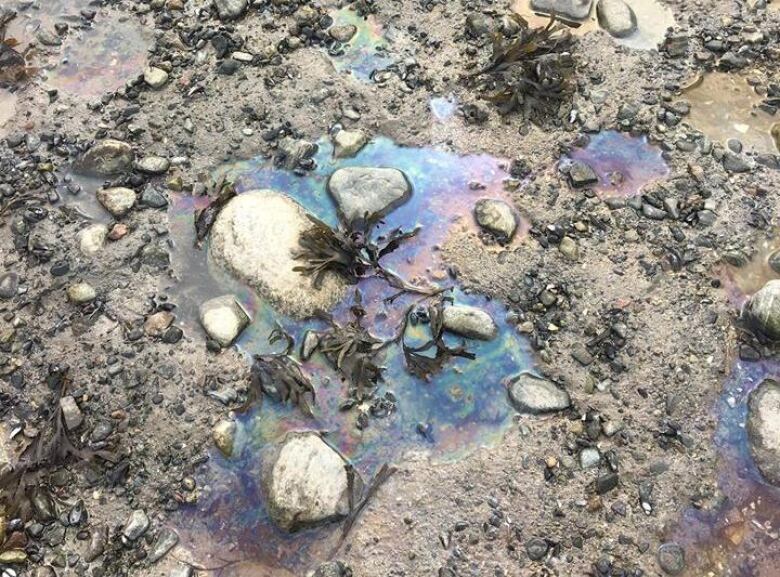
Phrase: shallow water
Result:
[653,18]
[623,163]
[742,281]
[720,541]
[725,106]
[93,59]
[461,409]
[362,55]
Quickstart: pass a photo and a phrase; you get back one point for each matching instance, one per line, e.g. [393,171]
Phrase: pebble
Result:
[152,165]
[347,143]
[671,558]
[155,77]
[581,174]
[118,201]
[536,548]
[496,216]
[223,319]
[92,239]
[9,285]
[136,525]
[763,429]
[165,541]
[224,435]
[762,310]
[533,394]
[342,33]
[590,458]
[106,158]
[81,293]
[568,248]
[616,17]
[576,9]
[71,413]
[366,191]
[153,198]
[470,322]
[157,323]
[230,9]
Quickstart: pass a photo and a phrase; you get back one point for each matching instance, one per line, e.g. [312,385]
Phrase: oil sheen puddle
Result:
[7,109]
[443,107]
[364,53]
[741,280]
[653,19]
[740,536]
[623,163]
[93,58]
[725,106]
[460,409]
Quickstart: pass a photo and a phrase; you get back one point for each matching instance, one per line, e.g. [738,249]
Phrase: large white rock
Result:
[361,191]
[305,482]
[469,322]
[255,238]
[763,428]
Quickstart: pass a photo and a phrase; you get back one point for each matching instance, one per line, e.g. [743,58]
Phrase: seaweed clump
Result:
[530,71]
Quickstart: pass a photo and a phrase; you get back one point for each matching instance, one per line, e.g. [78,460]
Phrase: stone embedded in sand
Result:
[152,165]
[81,293]
[223,319]
[230,9]
[107,157]
[347,143]
[255,238]
[616,17]
[763,428]
[469,322]
[763,310]
[118,201]
[362,191]
[71,414]
[496,216]
[532,394]
[305,482]
[92,239]
[155,77]
[577,9]
[581,174]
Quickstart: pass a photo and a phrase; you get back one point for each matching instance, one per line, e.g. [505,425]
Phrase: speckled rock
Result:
[469,322]
[305,482]
[496,216]
[118,201]
[530,393]
[92,239]
[255,238]
[763,428]
[106,157]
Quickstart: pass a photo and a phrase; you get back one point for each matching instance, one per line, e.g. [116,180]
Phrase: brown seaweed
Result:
[205,219]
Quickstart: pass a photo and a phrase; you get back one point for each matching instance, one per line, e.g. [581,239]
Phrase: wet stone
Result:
[529,393]
[347,143]
[224,435]
[311,341]
[118,201]
[155,77]
[576,9]
[9,284]
[496,216]
[223,319]
[255,238]
[152,165]
[671,558]
[581,174]
[763,428]
[762,311]
[616,17]
[81,293]
[305,482]
[362,191]
[136,525]
[106,158]
[469,322]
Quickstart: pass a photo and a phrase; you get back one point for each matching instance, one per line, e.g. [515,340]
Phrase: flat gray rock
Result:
[255,238]
[496,216]
[106,158]
[529,393]
[616,17]
[305,482]
[763,310]
[763,428]
[361,191]
[469,322]
[575,9]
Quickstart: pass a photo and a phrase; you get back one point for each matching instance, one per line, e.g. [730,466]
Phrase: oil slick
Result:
[623,163]
[362,55]
[460,409]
